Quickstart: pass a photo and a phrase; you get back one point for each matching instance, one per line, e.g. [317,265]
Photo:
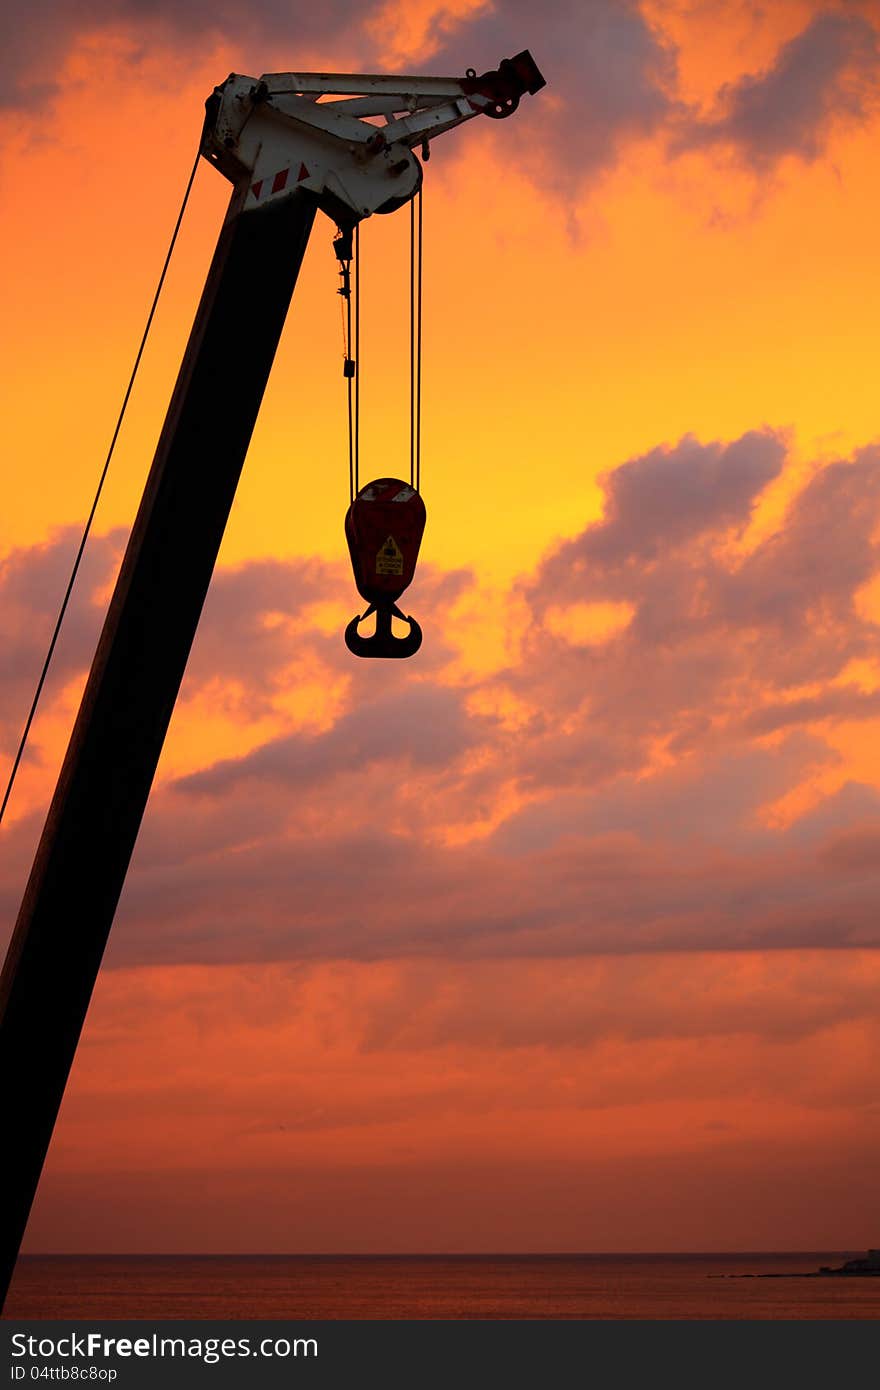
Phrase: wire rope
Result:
[88,525]
[350,369]
[415,340]
[357,357]
[351,290]
[418,350]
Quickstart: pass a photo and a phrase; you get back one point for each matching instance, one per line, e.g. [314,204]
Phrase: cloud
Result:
[261,617]
[261,623]
[612,74]
[825,74]
[712,635]
[608,71]
[609,75]
[711,797]
[417,726]
[43,33]
[856,852]
[33,581]
[672,496]
[594,874]
[844,702]
[325,1091]
[626,805]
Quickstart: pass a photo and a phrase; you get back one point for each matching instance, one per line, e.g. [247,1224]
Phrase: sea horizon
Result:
[681,1285]
[435,1254]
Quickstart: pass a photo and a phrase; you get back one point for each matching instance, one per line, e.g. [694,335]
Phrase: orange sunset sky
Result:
[562,935]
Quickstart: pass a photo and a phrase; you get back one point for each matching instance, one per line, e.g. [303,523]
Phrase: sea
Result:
[294,1287]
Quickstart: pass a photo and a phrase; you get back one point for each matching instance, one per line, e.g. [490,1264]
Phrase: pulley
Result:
[384,527]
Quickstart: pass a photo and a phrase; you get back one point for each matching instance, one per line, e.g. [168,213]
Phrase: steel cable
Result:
[415,340]
[88,526]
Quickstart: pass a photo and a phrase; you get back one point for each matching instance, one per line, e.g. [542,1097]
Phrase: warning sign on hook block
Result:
[390,558]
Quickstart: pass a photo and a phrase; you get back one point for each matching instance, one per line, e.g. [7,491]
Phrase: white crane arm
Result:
[318,131]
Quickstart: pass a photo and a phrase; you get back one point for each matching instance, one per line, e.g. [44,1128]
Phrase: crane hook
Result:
[383,642]
[383,527]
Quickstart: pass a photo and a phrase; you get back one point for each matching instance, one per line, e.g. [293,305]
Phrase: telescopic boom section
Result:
[290,143]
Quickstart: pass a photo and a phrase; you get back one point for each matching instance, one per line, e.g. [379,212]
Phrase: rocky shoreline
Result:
[865,1266]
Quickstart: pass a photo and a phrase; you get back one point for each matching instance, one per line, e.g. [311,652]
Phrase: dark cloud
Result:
[857,852]
[237,639]
[32,585]
[39,35]
[625,811]
[711,798]
[259,619]
[854,804]
[608,72]
[418,726]
[258,622]
[845,702]
[826,73]
[798,588]
[713,635]
[609,75]
[672,497]
[375,895]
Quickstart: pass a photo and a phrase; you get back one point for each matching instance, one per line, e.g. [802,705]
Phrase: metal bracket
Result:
[319,131]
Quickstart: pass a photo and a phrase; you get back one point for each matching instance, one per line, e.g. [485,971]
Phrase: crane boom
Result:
[288,154]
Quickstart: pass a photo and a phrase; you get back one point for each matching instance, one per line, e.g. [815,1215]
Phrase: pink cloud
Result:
[258,1108]
[826,73]
[623,811]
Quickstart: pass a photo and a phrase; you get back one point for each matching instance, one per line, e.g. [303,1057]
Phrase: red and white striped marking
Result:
[264,188]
